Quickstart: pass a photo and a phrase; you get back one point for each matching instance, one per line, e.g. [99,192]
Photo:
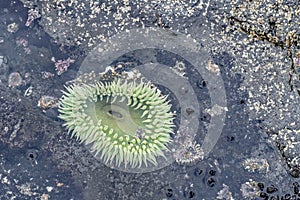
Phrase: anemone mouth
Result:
[125,123]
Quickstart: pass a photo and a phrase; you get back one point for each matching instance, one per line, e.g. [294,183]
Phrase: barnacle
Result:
[189,153]
[124,122]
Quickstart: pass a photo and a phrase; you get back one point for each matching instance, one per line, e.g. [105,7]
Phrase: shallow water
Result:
[231,78]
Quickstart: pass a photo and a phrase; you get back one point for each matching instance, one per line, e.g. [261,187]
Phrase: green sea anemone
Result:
[124,122]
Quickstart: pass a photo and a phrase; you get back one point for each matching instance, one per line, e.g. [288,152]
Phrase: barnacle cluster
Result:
[189,154]
[282,30]
[125,123]
[274,60]
[256,164]
[188,151]
[250,189]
